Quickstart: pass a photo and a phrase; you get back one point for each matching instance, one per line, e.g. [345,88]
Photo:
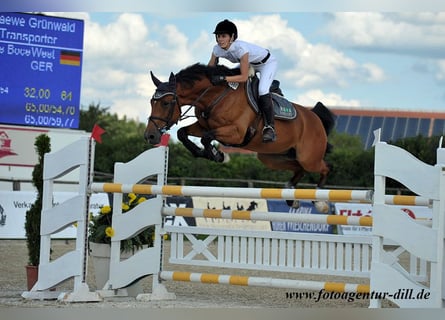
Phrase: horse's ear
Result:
[155,80]
[172,79]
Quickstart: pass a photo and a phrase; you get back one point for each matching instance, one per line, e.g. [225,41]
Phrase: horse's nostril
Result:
[148,136]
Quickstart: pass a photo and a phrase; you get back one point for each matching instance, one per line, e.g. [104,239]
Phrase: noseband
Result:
[171,105]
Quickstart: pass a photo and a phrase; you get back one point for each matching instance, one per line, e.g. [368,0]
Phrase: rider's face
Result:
[224,40]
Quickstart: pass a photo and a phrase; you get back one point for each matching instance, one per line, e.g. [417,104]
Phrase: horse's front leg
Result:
[226,134]
[210,150]
[184,133]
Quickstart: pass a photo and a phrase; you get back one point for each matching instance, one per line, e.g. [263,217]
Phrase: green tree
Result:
[122,141]
[350,164]
[33,221]
[423,148]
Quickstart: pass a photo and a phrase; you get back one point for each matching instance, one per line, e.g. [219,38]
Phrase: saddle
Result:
[283,108]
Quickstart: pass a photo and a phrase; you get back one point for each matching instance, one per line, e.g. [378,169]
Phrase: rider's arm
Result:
[244,69]
[212,60]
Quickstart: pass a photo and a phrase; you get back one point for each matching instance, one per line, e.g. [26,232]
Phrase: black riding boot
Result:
[266,107]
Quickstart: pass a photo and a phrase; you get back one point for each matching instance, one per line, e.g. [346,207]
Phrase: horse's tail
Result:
[327,118]
[325,115]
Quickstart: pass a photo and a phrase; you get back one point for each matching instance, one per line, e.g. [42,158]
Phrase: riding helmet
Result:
[228,27]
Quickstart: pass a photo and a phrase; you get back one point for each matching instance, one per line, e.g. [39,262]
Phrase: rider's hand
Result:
[218,80]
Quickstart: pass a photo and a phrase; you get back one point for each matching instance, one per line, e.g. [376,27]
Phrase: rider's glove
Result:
[218,79]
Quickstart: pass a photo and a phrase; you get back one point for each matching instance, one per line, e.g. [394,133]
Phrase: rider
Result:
[245,53]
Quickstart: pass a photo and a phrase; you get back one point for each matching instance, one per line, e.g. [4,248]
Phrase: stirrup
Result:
[268,136]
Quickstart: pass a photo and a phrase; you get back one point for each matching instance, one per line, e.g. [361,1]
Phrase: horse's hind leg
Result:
[298,174]
[292,184]
[324,172]
[322,205]
[283,162]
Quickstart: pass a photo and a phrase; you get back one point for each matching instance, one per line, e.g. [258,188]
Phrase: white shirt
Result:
[237,49]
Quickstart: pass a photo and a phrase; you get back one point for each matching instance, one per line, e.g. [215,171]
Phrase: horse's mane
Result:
[195,72]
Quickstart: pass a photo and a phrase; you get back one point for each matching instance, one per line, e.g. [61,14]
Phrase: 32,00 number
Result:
[37,93]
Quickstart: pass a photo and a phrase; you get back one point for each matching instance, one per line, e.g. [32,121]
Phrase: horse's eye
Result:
[165,104]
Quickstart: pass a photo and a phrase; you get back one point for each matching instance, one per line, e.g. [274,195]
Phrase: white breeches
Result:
[267,73]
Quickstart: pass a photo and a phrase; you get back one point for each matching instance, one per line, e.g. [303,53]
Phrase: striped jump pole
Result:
[363,221]
[264,282]
[257,193]
[268,216]
[332,195]
[407,200]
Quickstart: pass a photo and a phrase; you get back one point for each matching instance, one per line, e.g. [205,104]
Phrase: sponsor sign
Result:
[304,207]
[14,204]
[17,146]
[179,202]
[231,204]
[364,209]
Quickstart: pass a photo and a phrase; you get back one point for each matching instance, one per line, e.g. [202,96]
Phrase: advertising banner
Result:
[17,146]
[364,209]
[179,202]
[231,204]
[304,207]
[14,204]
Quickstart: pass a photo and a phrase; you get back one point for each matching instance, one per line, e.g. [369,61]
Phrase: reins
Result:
[183,115]
[208,109]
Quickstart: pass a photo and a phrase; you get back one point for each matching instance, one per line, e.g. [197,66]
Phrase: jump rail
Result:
[364,221]
[263,193]
[334,195]
[264,282]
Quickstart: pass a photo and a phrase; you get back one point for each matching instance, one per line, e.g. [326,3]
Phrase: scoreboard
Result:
[40,70]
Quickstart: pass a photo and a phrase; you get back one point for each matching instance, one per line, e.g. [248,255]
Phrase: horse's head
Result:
[165,111]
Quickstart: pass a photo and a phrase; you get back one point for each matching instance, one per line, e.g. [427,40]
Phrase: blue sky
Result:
[359,59]
[366,58]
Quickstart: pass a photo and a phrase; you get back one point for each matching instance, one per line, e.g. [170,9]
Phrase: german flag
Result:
[71,58]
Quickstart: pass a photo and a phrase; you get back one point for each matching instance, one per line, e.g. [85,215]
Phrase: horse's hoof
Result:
[289,185]
[219,157]
[226,157]
[321,206]
[294,204]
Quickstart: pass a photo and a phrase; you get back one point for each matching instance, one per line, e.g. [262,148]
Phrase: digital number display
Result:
[41,68]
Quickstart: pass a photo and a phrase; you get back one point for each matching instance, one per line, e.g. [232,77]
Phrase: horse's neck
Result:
[213,97]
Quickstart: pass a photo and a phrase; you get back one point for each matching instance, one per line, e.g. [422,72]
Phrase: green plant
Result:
[32,221]
[101,231]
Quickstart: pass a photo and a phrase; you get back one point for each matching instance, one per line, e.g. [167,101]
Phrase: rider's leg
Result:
[267,74]
[266,107]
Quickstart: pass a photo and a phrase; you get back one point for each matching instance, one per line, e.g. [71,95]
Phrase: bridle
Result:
[168,123]
[171,105]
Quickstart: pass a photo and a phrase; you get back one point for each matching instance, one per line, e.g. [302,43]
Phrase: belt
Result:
[262,61]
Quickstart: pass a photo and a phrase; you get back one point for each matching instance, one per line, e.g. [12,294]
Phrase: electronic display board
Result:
[40,70]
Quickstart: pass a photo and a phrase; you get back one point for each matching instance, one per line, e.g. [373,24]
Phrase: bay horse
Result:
[225,114]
